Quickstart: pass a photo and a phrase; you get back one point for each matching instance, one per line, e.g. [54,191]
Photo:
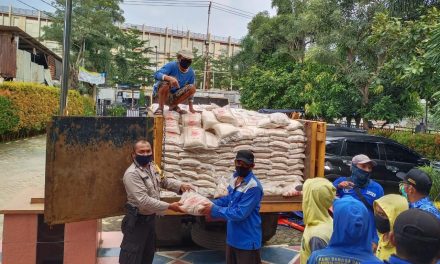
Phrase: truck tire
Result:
[269,224]
[211,239]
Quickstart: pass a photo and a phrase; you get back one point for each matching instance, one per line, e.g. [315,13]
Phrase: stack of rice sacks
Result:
[200,148]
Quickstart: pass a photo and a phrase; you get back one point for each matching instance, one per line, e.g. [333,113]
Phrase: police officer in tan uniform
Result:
[142,183]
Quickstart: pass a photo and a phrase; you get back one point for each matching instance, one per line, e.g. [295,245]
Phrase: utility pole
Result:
[156,57]
[208,39]
[66,55]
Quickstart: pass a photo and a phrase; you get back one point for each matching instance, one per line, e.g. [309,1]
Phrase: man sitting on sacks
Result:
[240,208]
[175,83]
[142,183]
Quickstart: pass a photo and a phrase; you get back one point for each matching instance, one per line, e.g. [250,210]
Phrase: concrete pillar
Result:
[188,36]
[10,15]
[39,24]
[143,32]
[165,41]
[229,47]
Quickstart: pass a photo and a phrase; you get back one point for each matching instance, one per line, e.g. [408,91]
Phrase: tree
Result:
[132,64]
[94,34]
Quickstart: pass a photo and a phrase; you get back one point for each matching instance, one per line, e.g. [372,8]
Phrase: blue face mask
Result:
[359,176]
[402,190]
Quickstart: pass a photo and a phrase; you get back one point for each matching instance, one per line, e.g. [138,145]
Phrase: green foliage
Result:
[426,144]
[8,116]
[35,104]
[117,111]
[132,66]
[142,99]
[94,34]
[434,174]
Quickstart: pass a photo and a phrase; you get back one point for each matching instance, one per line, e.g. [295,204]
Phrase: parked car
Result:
[390,156]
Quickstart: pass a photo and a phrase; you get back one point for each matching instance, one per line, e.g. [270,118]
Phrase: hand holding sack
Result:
[193,203]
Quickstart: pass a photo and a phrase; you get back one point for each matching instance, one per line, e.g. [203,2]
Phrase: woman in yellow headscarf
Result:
[386,210]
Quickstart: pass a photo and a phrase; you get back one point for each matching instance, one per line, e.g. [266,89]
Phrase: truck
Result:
[86,158]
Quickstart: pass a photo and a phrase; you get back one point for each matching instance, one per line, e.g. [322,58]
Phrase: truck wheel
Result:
[269,224]
[210,239]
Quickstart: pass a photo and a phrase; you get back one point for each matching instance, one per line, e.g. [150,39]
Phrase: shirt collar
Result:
[247,178]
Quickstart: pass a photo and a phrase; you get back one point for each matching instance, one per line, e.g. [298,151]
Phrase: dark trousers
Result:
[139,243]
[240,256]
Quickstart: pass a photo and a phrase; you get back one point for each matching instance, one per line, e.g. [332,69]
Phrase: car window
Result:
[400,154]
[333,147]
[370,149]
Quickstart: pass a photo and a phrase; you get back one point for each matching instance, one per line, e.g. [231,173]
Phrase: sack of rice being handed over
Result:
[192,119]
[193,203]
[225,115]
[194,138]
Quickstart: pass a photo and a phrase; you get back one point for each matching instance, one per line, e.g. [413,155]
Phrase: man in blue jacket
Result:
[351,238]
[361,187]
[240,208]
[175,83]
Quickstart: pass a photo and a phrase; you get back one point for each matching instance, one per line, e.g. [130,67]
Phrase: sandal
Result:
[178,110]
[158,112]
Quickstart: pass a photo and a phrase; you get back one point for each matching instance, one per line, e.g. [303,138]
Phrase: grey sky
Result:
[178,17]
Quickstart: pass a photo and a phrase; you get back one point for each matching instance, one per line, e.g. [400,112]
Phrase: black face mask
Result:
[382,224]
[185,63]
[241,171]
[143,160]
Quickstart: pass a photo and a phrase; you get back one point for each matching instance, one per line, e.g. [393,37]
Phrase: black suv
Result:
[391,157]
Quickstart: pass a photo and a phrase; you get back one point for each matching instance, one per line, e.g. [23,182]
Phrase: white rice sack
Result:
[294,139]
[281,154]
[227,155]
[172,126]
[297,132]
[279,144]
[225,115]
[206,167]
[206,192]
[204,183]
[279,160]
[296,151]
[279,166]
[172,148]
[265,122]
[224,163]
[297,145]
[294,125]
[242,147]
[212,141]
[222,186]
[209,119]
[262,155]
[223,149]
[172,155]
[171,167]
[173,139]
[262,161]
[292,162]
[194,137]
[171,161]
[280,119]
[203,176]
[210,107]
[260,134]
[261,150]
[297,156]
[296,167]
[251,121]
[167,194]
[275,138]
[187,174]
[192,119]
[189,162]
[277,132]
[246,133]
[171,115]
[193,203]
[259,172]
[276,172]
[225,130]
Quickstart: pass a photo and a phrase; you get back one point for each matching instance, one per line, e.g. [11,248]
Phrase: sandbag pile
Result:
[200,148]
